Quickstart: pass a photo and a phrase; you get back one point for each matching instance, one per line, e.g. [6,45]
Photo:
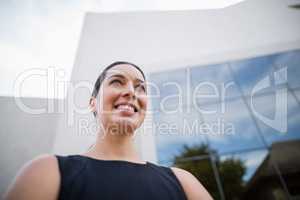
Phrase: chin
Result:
[125,126]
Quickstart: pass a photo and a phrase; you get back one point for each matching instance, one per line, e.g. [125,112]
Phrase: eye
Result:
[116,82]
[141,87]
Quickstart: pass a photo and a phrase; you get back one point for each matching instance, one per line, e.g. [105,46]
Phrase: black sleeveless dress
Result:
[85,178]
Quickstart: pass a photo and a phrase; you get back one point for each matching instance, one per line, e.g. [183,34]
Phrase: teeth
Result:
[125,107]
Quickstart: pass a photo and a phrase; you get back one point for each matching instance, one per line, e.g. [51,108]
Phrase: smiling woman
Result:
[122,98]
[112,168]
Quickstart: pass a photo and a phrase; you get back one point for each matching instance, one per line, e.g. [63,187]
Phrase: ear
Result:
[92,105]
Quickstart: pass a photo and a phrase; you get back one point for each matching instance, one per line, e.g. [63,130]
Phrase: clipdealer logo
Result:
[279,122]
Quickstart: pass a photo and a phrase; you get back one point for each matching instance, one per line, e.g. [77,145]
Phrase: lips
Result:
[126,107]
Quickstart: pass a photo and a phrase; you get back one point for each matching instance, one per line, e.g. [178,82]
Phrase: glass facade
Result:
[234,125]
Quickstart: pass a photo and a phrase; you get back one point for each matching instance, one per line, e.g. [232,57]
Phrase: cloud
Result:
[46,33]
[39,35]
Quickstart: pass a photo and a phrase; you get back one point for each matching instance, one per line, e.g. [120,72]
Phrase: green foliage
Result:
[231,173]
[197,160]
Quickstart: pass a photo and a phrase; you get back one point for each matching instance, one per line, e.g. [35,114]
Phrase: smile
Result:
[126,107]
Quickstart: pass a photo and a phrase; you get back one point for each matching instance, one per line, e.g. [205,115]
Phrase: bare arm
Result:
[38,179]
[192,187]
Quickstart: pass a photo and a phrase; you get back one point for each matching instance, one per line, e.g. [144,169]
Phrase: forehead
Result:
[125,70]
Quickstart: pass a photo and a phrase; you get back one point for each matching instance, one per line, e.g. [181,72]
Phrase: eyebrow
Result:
[123,77]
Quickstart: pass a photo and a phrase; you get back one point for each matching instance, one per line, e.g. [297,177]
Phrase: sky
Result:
[44,34]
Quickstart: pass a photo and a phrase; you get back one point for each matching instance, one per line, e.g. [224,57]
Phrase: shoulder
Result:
[37,179]
[193,189]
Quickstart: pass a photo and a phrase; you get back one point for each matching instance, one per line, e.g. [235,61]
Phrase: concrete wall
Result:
[164,40]
[23,135]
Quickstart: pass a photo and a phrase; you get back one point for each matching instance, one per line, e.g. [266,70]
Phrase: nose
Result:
[129,91]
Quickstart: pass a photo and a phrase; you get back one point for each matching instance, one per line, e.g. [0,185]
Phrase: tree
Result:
[197,159]
[231,173]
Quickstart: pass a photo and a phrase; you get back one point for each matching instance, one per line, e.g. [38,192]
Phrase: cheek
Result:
[143,103]
[106,106]
[109,97]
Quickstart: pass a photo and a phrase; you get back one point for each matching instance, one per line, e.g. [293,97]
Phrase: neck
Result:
[114,147]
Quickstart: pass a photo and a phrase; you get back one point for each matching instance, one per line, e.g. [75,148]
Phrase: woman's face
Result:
[122,99]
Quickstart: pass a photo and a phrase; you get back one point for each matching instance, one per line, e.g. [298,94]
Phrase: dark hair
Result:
[103,74]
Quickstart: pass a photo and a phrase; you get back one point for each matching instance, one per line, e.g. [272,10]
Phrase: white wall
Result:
[179,38]
[159,41]
[23,135]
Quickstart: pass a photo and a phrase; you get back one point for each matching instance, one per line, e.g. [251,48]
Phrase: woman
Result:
[111,169]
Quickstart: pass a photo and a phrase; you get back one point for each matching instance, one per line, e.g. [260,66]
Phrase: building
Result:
[231,45]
